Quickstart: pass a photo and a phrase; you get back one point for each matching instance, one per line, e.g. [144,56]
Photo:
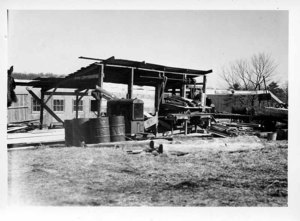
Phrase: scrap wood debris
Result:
[151,149]
[22,126]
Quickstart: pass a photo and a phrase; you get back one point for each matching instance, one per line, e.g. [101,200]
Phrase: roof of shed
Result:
[118,71]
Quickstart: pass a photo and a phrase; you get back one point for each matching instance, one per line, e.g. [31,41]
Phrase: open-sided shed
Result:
[119,71]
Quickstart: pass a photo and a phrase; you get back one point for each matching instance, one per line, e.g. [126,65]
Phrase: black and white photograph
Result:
[148,108]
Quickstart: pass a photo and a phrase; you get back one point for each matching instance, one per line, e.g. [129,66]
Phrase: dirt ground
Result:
[243,171]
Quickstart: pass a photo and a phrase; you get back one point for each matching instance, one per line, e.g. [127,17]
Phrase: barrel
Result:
[117,128]
[99,130]
[282,134]
[272,136]
[68,132]
[80,131]
[263,135]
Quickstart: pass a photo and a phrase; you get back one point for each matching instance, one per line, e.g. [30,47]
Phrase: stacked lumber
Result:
[21,126]
[36,137]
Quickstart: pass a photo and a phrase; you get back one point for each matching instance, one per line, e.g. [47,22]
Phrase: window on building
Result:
[80,105]
[58,105]
[36,105]
[93,106]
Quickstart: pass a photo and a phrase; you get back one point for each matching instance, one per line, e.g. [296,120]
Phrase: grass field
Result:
[219,172]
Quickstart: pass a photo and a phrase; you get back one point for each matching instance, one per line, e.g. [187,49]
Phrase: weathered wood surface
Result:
[38,136]
[15,129]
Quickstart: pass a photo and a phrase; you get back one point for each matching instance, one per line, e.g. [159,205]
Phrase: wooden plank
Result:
[188,136]
[18,107]
[23,148]
[24,121]
[44,105]
[217,134]
[42,139]
[151,121]
[105,92]
[12,136]
[66,93]
[16,128]
[122,143]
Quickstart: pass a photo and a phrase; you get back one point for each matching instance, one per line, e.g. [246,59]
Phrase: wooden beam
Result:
[108,95]
[83,94]
[44,105]
[66,93]
[42,109]
[78,98]
[100,83]
[166,71]
[50,95]
[171,79]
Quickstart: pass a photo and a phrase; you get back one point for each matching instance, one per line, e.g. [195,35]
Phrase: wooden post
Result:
[130,84]
[77,101]
[159,96]
[100,83]
[204,84]
[185,127]
[42,109]
[183,89]
[203,102]
[158,89]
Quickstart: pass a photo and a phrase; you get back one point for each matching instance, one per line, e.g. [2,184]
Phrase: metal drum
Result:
[117,128]
[282,134]
[272,136]
[68,132]
[80,131]
[99,130]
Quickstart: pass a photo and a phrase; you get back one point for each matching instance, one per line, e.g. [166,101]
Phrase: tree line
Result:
[256,73]
[31,76]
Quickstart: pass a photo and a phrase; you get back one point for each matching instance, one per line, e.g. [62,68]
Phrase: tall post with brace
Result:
[130,84]
[42,108]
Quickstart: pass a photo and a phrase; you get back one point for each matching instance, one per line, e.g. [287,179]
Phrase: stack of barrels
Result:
[81,131]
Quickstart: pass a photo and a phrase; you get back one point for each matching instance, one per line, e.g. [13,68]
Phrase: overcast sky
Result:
[52,41]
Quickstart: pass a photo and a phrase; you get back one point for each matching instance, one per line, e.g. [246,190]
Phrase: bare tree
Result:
[250,75]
